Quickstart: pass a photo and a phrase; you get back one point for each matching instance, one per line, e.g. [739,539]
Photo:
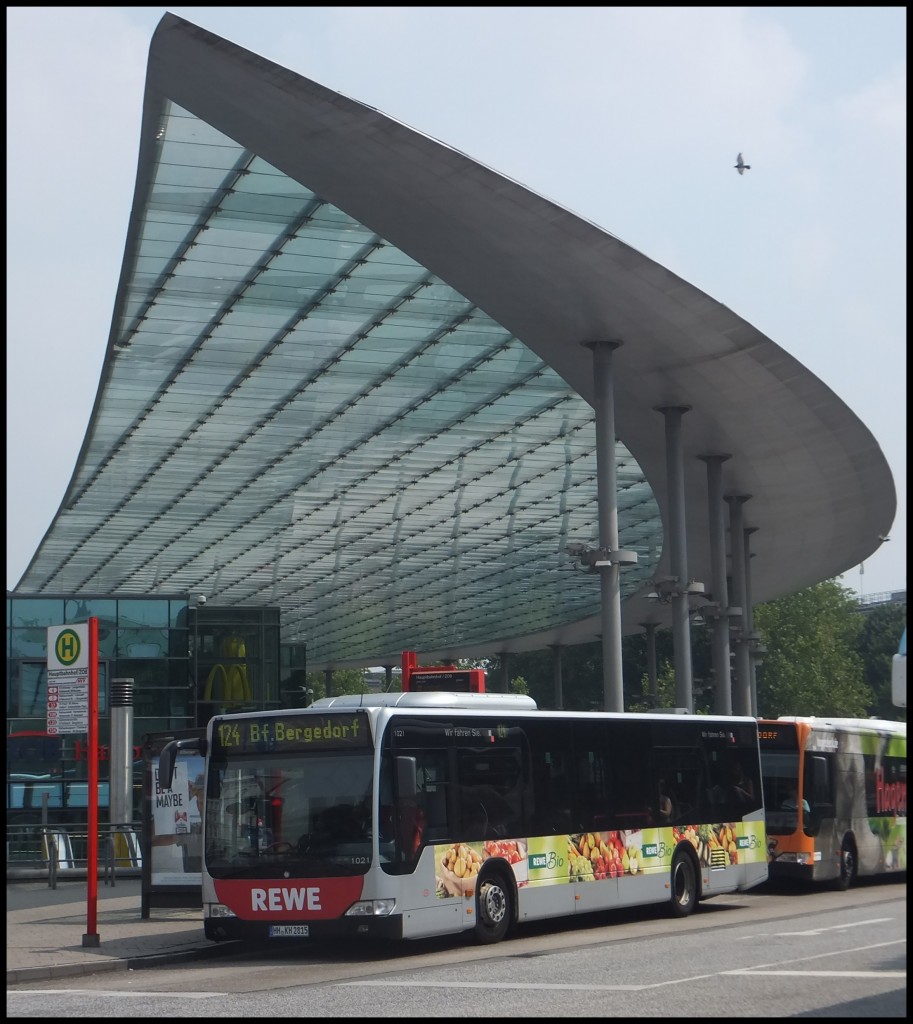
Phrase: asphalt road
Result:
[766,953]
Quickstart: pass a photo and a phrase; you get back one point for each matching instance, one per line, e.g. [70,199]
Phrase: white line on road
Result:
[101,992]
[824,974]
[506,985]
[834,928]
[760,970]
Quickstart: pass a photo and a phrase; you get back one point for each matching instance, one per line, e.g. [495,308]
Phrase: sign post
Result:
[73,708]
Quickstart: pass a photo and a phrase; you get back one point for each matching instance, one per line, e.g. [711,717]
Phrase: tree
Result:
[878,642]
[348,680]
[812,664]
[665,689]
[518,685]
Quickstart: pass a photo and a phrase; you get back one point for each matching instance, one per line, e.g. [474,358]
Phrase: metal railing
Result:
[62,851]
[883,597]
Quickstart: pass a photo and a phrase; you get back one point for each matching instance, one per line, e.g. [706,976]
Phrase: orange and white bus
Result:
[407,815]
[836,796]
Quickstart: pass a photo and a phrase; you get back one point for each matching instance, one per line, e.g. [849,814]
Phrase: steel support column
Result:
[681,626]
[719,591]
[741,687]
[606,488]
[505,671]
[652,678]
[557,650]
[749,624]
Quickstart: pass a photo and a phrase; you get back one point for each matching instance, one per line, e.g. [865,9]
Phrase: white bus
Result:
[407,815]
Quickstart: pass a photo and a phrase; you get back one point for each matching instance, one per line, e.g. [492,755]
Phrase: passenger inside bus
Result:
[664,802]
[411,827]
[740,786]
[791,803]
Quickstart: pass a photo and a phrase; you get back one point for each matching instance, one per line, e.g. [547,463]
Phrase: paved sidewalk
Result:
[45,929]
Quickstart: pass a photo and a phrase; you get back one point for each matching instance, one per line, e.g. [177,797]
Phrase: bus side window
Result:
[432,796]
[817,788]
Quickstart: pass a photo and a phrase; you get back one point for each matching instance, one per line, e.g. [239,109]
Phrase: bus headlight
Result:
[217,910]
[371,908]
[800,858]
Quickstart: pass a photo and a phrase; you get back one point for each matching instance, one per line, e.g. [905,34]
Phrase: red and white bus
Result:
[836,796]
[406,815]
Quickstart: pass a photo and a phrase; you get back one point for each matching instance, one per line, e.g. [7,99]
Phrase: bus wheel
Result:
[494,908]
[684,884]
[847,874]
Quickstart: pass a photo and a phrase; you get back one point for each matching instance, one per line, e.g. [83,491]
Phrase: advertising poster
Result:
[177,823]
[457,865]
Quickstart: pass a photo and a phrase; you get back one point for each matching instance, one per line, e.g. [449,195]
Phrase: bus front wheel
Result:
[684,884]
[848,867]
[494,908]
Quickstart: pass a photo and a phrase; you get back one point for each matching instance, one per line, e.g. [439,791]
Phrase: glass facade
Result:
[186,664]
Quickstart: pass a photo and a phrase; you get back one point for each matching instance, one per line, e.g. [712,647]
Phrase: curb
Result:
[23,975]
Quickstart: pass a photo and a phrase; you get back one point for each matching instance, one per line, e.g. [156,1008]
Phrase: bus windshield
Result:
[781,786]
[271,816]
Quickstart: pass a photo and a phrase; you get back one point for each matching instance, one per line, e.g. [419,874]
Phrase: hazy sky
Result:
[630,117]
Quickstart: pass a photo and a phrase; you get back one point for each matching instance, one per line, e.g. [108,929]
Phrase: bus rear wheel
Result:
[494,908]
[684,884]
[848,867]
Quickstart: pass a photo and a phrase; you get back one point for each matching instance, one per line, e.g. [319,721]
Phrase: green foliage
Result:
[348,680]
[665,690]
[812,665]
[519,685]
[877,646]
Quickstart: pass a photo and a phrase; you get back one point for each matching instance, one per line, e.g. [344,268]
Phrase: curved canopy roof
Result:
[347,375]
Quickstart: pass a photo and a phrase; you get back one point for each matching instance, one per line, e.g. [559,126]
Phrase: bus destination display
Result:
[423,681]
[291,733]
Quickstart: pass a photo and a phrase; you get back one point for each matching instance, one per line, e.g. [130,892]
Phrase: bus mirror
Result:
[169,755]
[820,789]
[406,781]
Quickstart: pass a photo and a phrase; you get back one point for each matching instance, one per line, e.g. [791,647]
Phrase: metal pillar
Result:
[505,671]
[120,765]
[681,632]
[328,676]
[388,678]
[650,641]
[749,625]
[557,650]
[606,487]
[741,688]
[722,675]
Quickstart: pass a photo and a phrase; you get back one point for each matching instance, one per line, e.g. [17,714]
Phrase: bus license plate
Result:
[288,931]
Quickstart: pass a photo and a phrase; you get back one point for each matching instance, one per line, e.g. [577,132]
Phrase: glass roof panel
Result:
[296,413]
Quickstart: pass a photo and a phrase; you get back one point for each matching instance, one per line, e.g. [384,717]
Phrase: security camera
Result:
[201,599]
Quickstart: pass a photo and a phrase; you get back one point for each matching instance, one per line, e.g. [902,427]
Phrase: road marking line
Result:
[102,992]
[834,928]
[825,974]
